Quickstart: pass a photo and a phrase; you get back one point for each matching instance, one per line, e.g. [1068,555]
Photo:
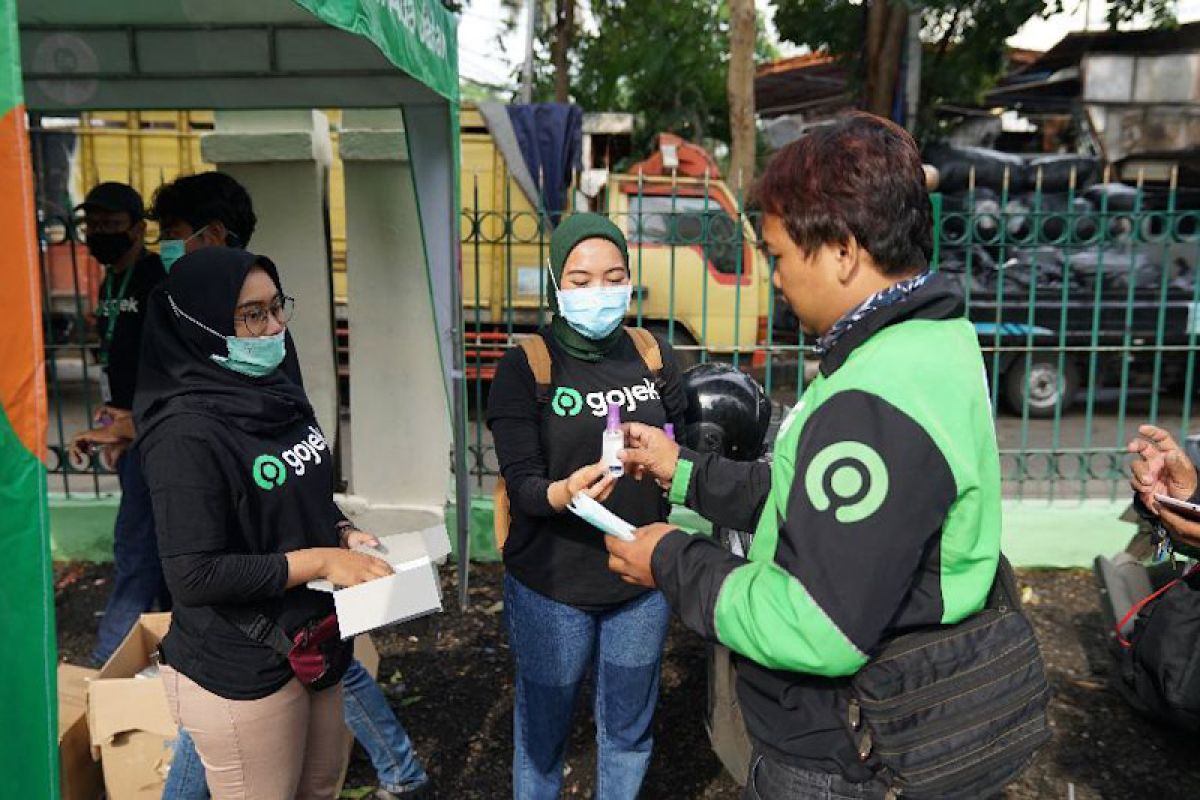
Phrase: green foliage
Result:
[965,40]
[665,62]
[1160,13]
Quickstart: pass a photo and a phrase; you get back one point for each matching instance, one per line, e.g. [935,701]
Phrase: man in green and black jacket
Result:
[880,511]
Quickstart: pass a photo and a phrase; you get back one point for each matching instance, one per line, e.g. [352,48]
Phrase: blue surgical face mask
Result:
[255,356]
[593,311]
[171,250]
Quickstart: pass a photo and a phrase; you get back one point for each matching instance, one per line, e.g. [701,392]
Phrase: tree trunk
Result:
[887,23]
[564,36]
[740,89]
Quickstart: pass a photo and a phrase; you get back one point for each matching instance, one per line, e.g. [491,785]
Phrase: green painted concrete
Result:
[82,529]
[1036,533]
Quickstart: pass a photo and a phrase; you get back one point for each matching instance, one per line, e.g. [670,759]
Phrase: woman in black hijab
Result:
[242,484]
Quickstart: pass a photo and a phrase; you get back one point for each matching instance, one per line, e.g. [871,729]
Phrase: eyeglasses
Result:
[257,318]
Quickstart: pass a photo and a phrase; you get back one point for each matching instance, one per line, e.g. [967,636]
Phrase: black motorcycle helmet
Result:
[728,413]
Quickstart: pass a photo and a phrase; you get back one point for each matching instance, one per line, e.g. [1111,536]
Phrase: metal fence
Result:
[1084,299]
[70,293]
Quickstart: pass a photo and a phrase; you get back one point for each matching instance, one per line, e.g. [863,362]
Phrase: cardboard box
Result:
[132,732]
[412,592]
[79,775]
[131,728]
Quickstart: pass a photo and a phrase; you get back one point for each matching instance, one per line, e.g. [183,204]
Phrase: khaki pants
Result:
[287,746]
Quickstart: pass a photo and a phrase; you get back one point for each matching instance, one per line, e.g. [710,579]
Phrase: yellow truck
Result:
[699,277]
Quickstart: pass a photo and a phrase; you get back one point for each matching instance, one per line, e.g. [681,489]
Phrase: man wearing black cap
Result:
[115,230]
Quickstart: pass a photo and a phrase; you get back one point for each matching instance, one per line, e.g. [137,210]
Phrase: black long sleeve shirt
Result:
[558,554]
[228,506]
[120,318]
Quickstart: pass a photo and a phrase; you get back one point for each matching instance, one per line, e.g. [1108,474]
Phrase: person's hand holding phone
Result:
[1161,467]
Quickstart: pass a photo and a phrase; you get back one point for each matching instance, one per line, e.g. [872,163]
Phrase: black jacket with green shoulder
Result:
[879,513]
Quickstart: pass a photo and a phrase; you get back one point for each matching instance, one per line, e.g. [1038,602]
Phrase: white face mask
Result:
[593,311]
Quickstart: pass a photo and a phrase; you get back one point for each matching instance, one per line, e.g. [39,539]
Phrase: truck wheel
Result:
[683,339]
[1044,387]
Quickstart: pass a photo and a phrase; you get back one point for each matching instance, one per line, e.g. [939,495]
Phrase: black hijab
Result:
[176,374]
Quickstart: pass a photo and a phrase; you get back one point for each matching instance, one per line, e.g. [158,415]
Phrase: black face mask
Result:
[107,248]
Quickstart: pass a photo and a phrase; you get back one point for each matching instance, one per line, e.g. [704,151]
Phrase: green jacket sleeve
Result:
[863,499]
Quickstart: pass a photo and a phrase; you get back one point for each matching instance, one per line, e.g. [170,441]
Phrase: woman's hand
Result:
[593,480]
[350,567]
[650,450]
[340,567]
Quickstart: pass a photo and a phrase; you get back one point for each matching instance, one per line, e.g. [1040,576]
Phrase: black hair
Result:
[859,176]
[205,198]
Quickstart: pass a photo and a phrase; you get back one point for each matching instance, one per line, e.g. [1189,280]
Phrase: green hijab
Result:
[566,237]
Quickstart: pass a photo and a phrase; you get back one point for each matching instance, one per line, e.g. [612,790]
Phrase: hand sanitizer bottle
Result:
[613,442]
[669,430]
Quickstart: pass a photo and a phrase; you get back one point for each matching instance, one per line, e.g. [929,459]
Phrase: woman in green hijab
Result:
[567,615]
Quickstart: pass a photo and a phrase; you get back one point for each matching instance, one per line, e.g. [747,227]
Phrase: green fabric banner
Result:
[29,744]
[418,36]
[11,93]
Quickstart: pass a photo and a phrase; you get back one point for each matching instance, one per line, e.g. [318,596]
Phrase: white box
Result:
[412,592]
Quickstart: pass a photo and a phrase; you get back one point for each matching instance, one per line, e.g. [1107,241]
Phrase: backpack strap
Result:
[259,628]
[648,349]
[501,515]
[538,356]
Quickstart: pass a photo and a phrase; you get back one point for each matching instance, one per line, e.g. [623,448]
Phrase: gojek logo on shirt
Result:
[568,402]
[849,478]
[108,308]
[270,471]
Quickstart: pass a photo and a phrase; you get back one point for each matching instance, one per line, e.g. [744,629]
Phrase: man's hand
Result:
[631,560]
[118,420]
[111,440]
[1160,467]
[107,414]
[648,450]
[1183,530]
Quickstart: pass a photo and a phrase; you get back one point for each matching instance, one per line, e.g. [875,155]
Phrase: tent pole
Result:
[462,490]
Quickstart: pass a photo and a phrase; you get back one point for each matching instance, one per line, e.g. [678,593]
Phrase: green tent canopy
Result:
[87,55]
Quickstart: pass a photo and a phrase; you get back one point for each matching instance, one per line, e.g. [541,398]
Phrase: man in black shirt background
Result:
[115,229]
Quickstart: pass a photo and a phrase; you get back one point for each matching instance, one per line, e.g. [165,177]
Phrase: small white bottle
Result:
[613,442]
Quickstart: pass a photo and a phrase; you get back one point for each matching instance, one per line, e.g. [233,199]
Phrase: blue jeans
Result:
[369,718]
[138,584]
[555,646]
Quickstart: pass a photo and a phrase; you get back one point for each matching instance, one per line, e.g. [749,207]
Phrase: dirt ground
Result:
[449,679]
